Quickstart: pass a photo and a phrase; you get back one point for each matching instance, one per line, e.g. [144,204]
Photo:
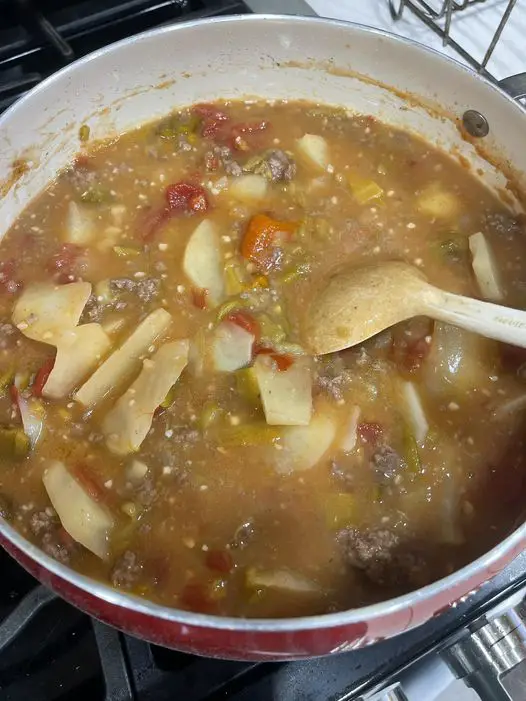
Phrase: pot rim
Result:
[112,596]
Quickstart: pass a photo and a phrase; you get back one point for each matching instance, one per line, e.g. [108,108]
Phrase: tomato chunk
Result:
[186,198]
[64,263]
[369,432]
[199,296]
[283,362]
[247,322]
[42,377]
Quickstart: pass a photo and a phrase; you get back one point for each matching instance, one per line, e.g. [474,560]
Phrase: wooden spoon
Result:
[357,303]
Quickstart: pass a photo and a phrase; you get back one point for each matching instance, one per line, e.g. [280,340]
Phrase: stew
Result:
[163,429]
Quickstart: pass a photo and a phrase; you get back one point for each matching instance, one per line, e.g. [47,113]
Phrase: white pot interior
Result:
[147,76]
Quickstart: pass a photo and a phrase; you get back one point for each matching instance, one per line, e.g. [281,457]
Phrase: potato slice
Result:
[231,347]
[86,521]
[248,188]
[79,351]
[315,149]
[302,447]
[128,423]
[80,225]
[414,411]
[203,263]
[44,310]
[123,362]
[286,395]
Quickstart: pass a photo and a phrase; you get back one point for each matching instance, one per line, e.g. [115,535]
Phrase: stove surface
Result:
[50,651]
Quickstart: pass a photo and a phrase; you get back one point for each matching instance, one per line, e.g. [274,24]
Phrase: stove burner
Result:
[34,43]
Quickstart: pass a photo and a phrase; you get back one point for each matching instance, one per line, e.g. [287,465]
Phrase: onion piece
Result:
[350,435]
[287,394]
[485,268]
[414,411]
[284,580]
[86,521]
[44,310]
[32,415]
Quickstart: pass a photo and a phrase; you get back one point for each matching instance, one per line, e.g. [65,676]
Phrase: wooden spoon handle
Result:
[490,320]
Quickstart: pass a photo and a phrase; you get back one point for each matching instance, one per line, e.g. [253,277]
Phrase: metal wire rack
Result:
[438,16]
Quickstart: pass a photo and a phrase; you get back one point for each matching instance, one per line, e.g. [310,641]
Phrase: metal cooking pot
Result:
[146,76]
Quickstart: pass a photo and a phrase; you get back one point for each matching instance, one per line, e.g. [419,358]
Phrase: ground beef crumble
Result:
[126,570]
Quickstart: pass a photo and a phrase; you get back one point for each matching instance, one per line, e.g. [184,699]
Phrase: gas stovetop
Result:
[50,651]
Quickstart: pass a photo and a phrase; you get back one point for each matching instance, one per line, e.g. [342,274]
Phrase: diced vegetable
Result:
[485,268]
[79,351]
[95,194]
[122,363]
[86,521]
[350,432]
[248,188]
[284,580]
[363,189]
[126,251]
[14,443]
[256,433]
[210,414]
[247,384]
[304,446]
[231,347]
[43,311]
[137,471]
[6,379]
[458,361]
[236,278]
[286,395]
[128,422]
[315,148]
[411,454]
[81,226]
[202,261]
[438,203]
[340,510]
[262,232]
[414,411]
[32,415]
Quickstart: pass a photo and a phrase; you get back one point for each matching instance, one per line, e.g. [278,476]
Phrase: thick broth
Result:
[206,514]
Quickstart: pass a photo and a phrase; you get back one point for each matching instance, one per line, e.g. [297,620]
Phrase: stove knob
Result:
[491,656]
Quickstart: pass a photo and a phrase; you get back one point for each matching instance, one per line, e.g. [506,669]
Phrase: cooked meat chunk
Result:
[126,570]
[387,463]
[333,378]
[222,156]
[61,549]
[146,289]
[41,521]
[8,335]
[275,165]
[384,558]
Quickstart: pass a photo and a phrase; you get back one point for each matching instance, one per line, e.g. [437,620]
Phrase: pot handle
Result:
[514,85]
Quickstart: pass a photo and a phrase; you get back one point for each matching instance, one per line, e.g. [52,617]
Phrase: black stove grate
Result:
[50,651]
[38,38]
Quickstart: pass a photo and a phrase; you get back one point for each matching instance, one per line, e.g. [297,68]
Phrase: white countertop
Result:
[473,28]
